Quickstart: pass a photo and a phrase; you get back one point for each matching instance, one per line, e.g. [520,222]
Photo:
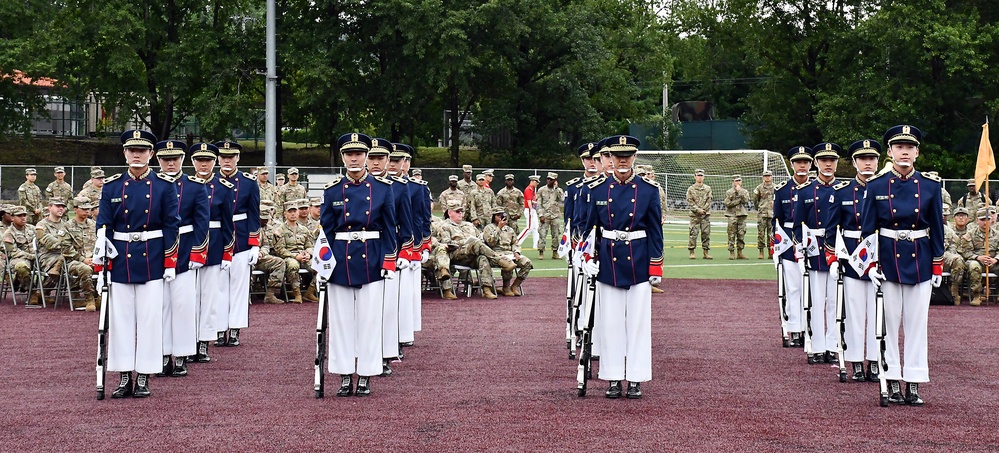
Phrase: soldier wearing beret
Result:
[904,208]
[550,204]
[736,200]
[180,298]
[138,219]
[844,219]
[234,310]
[763,199]
[60,188]
[815,200]
[785,194]
[359,219]
[699,200]
[625,212]
[30,196]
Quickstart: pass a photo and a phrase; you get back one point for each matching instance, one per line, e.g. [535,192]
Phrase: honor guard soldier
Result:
[138,217]
[736,200]
[60,188]
[815,199]
[858,291]
[904,208]
[358,218]
[785,194]
[699,200]
[511,199]
[212,278]
[629,245]
[234,310]
[593,161]
[551,201]
[180,307]
[30,196]
[421,200]
[763,199]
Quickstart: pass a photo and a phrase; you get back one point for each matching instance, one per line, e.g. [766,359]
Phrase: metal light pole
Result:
[270,116]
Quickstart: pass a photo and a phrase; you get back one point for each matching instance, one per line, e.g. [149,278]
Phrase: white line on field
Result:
[769,263]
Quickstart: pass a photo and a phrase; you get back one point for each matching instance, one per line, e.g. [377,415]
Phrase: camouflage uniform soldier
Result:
[292,242]
[699,200]
[60,188]
[551,206]
[944,194]
[292,190]
[274,266]
[973,250]
[268,191]
[17,246]
[503,240]
[440,262]
[30,196]
[465,248]
[83,231]
[306,221]
[763,199]
[511,199]
[452,193]
[482,203]
[56,243]
[953,261]
[736,199]
[466,184]
[974,200]
[90,182]
[92,188]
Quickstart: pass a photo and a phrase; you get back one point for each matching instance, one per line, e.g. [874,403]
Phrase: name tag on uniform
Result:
[881,197]
[848,203]
[601,202]
[809,200]
[116,200]
[785,201]
[336,203]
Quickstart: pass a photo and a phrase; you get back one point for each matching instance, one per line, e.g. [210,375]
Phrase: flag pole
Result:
[988,271]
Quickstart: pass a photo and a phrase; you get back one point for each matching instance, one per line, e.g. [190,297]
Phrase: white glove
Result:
[225,265]
[415,265]
[936,280]
[655,280]
[100,281]
[591,268]
[98,260]
[799,253]
[169,274]
[577,259]
[194,265]
[876,276]
[388,275]
[254,254]
[424,256]
[401,263]
[834,270]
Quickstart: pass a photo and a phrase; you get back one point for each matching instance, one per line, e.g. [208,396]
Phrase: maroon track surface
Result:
[494,375]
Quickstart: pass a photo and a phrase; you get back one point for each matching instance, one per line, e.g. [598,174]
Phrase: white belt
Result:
[184,229]
[852,234]
[819,232]
[788,224]
[356,236]
[619,235]
[138,236]
[904,235]
[217,223]
[238,217]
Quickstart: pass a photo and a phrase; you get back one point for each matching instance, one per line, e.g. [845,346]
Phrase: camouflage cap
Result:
[5,208]
[552,175]
[508,176]
[60,170]
[946,209]
[480,177]
[57,201]
[16,210]
[267,203]
[97,173]
[699,172]
[453,178]
[30,171]
[82,203]
[265,211]
[291,204]
[293,171]
[279,177]
[263,171]
[315,201]
[454,205]
[302,202]
[983,213]
[498,210]
[960,210]
[736,177]
[466,168]
[417,172]
[768,173]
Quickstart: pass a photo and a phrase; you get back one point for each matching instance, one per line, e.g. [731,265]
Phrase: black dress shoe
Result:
[872,372]
[220,341]
[858,372]
[813,359]
[406,343]
[912,395]
[613,390]
[895,393]
[831,357]
[233,337]
[346,385]
[202,355]
[634,390]
[167,367]
[363,386]
[124,386]
[386,370]
[179,367]
[141,386]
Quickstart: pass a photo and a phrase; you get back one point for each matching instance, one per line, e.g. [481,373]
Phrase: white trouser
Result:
[824,333]
[417,300]
[626,330]
[907,305]
[180,325]
[860,333]
[792,283]
[210,282]
[136,329]
[355,329]
[234,309]
[409,290]
[390,318]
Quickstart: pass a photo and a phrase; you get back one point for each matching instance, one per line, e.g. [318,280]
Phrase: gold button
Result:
[627,228]
[128,226]
[631,214]
[348,257]
[145,254]
[348,214]
[367,212]
[364,255]
[896,223]
[892,180]
[610,200]
[858,214]
[891,196]
[612,215]
[894,210]
[368,198]
[148,182]
[126,196]
[367,184]
[898,256]
[917,195]
[147,195]
[629,258]
[818,210]
[612,186]
[126,211]
[346,200]
[615,259]
[917,210]
[632,200]
[147,211]
[913,255]
[129,255]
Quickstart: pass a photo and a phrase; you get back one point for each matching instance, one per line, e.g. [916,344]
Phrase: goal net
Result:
[675,173]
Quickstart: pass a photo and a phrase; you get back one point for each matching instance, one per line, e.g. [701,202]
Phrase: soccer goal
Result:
[675,173]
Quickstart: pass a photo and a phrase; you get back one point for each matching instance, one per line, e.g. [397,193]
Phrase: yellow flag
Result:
[986,160]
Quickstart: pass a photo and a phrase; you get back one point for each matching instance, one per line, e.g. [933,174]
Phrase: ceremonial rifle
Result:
[583,371]
[570,309]
[107,252]
[841,321]
[782,302]
[322,326]
[880,333]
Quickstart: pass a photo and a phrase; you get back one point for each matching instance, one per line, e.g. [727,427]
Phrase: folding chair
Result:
[61,284]
[11,286]
[467,276]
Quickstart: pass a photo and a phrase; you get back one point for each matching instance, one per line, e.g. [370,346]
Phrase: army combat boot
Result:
[310,293]
[270,298]
[296,295]
[976,299]
[487,292]
[554,254]
[731,255]
[506,288]
[515,287]
[761,255]
[692,255]
[448,294]
[706,256]
[955,290]
[91,303]
[541,254]
[740,256]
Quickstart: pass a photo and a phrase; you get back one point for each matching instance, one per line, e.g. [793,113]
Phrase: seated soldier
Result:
[440,262]
[274,266]
[292,242]
[466,248]
[17,246]
[312,226]
[503,239]
[973,250]
[953,261]
[83,231]
[56,243]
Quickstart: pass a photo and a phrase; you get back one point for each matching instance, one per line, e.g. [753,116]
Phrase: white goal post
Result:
[674,171]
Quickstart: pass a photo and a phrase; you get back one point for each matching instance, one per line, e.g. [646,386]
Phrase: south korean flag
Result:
[866,255]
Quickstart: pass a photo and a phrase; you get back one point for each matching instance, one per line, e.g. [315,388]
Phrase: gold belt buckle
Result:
[904,236]
[622,236]
[135,237]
